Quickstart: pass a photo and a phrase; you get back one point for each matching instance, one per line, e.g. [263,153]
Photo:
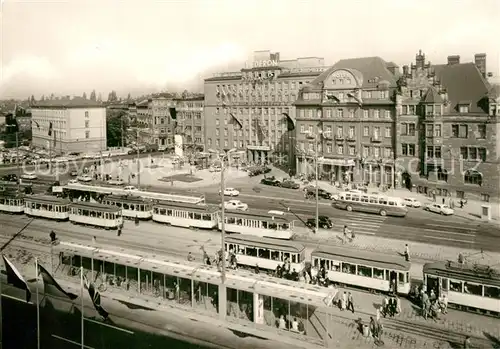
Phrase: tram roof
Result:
[279,288]
[187,206]
[127,198]
[46,199]
[367,258]
[476,273]
[268,243]
[10,194]
[95,206]
[259,214]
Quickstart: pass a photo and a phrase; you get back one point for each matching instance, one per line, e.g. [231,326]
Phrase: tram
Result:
[97,215]
[272,224]
[266,253]
[11,203]
[45,206]
[186,215]
[132,207]
[470,287]
[364,269]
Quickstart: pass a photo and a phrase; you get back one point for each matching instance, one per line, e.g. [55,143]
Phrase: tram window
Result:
[239,221]
[205,217]
[275,255]
[190,215]
[348,268]
[169,212]
[273,226]
[455,286]
[382,201]
[264,253]
[294,258]
[364,199]
[348,196]
[378,273]
[334,266]
[285,226]
[286,255]
[119,204]
[474,289]
[408,277]
[355,198]
[125,206]
[155,210]
[364,271]
[492,292]
[264,225]
[373,200]
[401,278]
[392,203]
[250,251]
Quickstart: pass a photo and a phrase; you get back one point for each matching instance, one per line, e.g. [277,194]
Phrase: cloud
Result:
[37,67]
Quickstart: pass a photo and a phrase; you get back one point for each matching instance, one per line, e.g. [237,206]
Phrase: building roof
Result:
[432,96]
[463,82]
[144,103]
[370,67]
[75,102]
[494,92]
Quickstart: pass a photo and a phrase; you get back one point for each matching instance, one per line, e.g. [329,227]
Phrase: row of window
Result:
[351,131]
[473,153]
[11,202]
[47,207]
[240,144]
[472,288]
[264,253]
[127,206]
[424,110]
[259,98]
[95,214]
[462,131]
[258,223]
[340,113]
[169,141]
[184,214]
[340,149]
[267,85]
[253,111]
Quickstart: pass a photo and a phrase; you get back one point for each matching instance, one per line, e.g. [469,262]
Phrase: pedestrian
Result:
[398,305]
[378,314]
[346,230]
[407,253]
[93,240]
[350,302]
[119,231]
[467,343]
[385,306]
[373,327]
[343,301]
[443,201]
[444,304]
[461,203]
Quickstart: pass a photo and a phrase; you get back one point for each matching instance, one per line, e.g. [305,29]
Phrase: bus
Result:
[371,203]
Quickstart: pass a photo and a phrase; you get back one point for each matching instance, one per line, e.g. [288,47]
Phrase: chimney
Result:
[480,61]
[453,60]
[406,70]
[420,60]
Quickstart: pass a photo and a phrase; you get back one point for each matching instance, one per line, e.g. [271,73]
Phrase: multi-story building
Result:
[78,125]
[258,96]
[346,118]
[190,122]
[448,129]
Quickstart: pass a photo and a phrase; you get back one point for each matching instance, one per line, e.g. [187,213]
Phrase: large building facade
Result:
[258,96]
[78,125]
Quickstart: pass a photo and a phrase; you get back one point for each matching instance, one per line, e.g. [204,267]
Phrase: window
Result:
[387,114]
[455,286]
[376,132]
[472,153]
[209,142]
[309,113]
[437,152]
[311,129]
[474,289]
[352,150]
[429,130]
[341,96]
[473,177]
[387,152]
[329,148]
[217,111]
[86,124]
[388,132]
[340,113]
[340,149]
[351,113]
[328,131]
[481,131]
[364,271]
[217,122]
[340,131]
[464,153]
[365,114]
[311,146]
[302,129]
[217,143]
[378,273]
[217,133]
[366,151]
[463,109]
[459,131]
[366,131]
[226,144]
[328,113]
[492,292]
[348,268]
[482,154]
[86,114]
[376,152]
[225,132]
[352,132]
[87,134]
[485,197]
[437,130]
[301,113]
[408,149]
[376,113]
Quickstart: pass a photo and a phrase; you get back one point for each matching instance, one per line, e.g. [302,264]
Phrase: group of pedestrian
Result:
[346,302]
[347,231]
[432,305]
[391,306]
[376,328]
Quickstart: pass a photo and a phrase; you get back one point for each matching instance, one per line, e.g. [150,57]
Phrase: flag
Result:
[50,128]
[173,113]
[333,98]
[36,123]
[289,122]
[15,278]
[355,98]
[95,296]
[258,128]
[234,121]
[49,283]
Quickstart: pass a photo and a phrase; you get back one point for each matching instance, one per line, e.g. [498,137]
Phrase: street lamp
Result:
[316,137]
[222,289]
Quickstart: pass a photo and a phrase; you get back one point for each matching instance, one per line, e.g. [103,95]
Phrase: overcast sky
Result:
[67,47]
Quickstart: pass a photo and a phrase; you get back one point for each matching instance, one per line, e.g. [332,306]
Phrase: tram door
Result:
[393,281]
[432,283]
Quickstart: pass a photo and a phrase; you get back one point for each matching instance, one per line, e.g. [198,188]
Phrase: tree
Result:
[42,98]
[114,129]
[129,98]
[185,94]
[99,98]
[52,96]
[92,96]
[84,95]
[112,97]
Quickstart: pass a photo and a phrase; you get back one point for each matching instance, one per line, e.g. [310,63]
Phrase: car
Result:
[411,202]
[84,178]
[311,193]
[74,173]
[73,181]
[270,181]
[323,222]
[215,169]
[235,205]
[266,170]
[290,184]
[10,177]
[29,176]
[116,182]
[230,192]
[439,208]
[129,188]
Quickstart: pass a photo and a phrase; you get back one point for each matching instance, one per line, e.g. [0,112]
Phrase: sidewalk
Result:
[419,251]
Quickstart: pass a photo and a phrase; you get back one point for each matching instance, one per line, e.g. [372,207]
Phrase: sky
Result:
[74,46]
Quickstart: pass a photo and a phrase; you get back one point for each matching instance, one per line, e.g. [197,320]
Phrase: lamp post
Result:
[316,137]
[222,289]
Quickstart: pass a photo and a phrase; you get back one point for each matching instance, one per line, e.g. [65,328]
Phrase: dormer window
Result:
[463,108]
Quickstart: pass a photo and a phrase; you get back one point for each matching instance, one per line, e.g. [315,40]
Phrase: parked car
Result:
[129,188]
[439,208]
[311,192]
[235,205]
[84,178]
[73,173]
[116,182]
[73,181]
[29,176]
[230,192]
[411,202]
[270,181]
[290,184]
[323,222]
[10,177]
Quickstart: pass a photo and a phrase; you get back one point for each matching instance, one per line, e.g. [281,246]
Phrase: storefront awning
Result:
[336,162]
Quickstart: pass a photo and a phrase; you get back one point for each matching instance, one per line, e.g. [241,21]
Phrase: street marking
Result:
[448,239]
[448,232]
[449,226]
[70,341]
[110,326]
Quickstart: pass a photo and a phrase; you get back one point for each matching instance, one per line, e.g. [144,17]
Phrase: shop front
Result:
[258,154]
[337,170]
[376,172]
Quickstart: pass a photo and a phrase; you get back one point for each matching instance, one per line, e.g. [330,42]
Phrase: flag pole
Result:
[37,307]
[81,297]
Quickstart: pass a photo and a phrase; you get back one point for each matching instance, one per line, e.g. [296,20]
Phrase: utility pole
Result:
[18,163]
[138,162]
[317,189]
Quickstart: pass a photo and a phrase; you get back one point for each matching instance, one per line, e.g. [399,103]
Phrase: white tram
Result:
[132,207]
[45,206]
[467,286]
[276,225]
[266,253]
[98,215]
[11,203]
[186,215]
[365,269]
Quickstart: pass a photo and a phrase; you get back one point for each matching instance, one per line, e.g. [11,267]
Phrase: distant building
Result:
[259,96]
[78,125]
[190,122]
